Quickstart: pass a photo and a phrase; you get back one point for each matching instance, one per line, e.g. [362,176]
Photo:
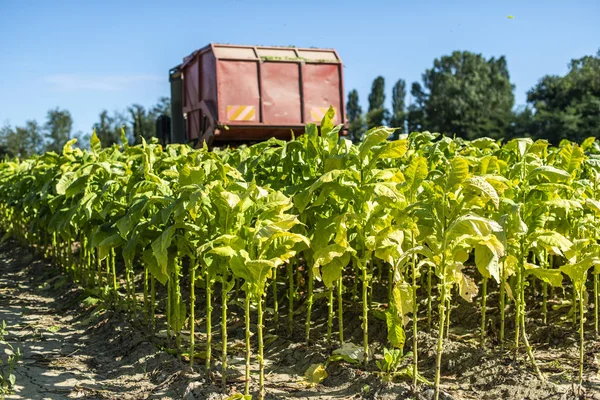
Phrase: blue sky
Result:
[87,56]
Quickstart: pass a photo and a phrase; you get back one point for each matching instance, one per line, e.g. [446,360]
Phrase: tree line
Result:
[35,138]
[462,94]
[466,95]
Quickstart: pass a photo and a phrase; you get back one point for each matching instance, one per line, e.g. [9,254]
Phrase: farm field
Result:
[421,267]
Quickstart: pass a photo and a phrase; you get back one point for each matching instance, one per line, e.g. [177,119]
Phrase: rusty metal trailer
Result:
[223,94]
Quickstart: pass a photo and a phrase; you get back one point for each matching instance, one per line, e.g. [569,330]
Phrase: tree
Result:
[354,112]
[144,121]
[377,114]
[398,116]
[5,132]
[569,106]
[522,124]
[108,129]
[415,115]
[162,107]
[467,95]
[21,142]
[57,129]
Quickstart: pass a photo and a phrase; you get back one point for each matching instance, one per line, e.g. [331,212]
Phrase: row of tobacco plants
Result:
[426,217]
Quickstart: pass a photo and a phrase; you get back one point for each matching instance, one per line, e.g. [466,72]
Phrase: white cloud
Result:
[110,83]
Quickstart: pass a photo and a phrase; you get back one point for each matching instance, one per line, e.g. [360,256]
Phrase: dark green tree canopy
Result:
[568,107]
[377,115]
[57,129]
[108,128]
[354,113]
[398,116]
[466,95]
[22,141]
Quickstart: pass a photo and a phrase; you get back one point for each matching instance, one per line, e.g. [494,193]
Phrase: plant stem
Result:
[574,306]
[502,307]
[483,309]
[518,308]
[290,273]
[544,302]
[596,304]
[152,303]
[390,287]
[177,310]
[521,321]
[192,311]
[169,309]
[114,274]
[354,282]
[581,339]
[449,311]
[415,317]
[248,348]
[275,301]
[365,322]
[309,303]
[261,362]
[370,287]
[329,314]
[208,327]
[429,272]
[146,302]
[340,310]
[224,298]
[440,342]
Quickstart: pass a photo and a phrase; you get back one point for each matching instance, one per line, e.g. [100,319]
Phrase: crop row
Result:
[424,216]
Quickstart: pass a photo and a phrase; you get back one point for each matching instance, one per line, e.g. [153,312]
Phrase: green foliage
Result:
[567,107]
[318,212]
[398,115]
[464,95]
[58,127]
[9,359]
[354,113]
[377,114]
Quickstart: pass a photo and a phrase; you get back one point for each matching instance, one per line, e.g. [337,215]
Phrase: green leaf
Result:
[393,149]
[239,396]
[333,258]
[224,251]
[553,277]
[483,189]
[487,262]
[593,205]
[459,172]
[112,241]
[327,121]
[472,225]
[553,174]
[467,287]
[64,182]
[372,138]
[124,141]
[350,352]
[68,147]
[395,328]
[552,241]
[565,204]
[260,269]
[315,374]
[415,173]
[159,273]
[578,271]
[160,247]
[95,144]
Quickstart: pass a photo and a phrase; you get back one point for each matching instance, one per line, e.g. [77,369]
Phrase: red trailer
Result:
[223,94]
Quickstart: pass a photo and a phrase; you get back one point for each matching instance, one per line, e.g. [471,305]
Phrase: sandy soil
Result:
[75,349]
